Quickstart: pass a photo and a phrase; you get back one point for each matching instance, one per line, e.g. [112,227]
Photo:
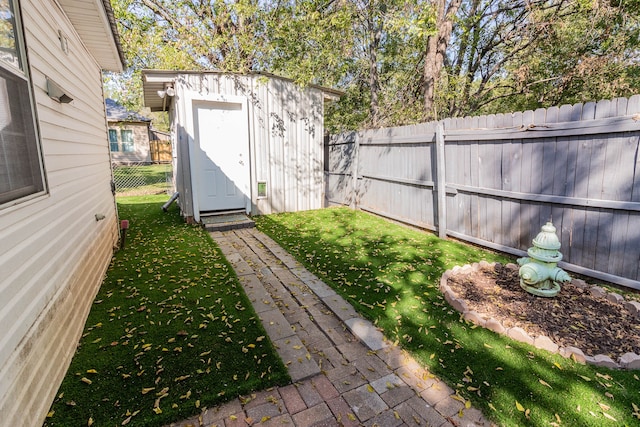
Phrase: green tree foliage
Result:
[398,62]
[512,55]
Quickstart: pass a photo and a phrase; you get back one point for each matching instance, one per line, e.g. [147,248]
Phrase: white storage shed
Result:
[242,142]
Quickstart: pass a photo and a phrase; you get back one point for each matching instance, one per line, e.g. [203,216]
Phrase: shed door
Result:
[222,159]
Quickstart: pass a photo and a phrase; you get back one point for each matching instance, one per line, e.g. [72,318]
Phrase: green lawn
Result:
[137,180]
[170,332]
[391,274]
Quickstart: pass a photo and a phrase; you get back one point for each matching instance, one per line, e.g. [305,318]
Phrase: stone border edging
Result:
[626,361]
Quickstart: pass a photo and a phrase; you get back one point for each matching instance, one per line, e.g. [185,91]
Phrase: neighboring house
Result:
[128,134]
[58,223]
[243,142]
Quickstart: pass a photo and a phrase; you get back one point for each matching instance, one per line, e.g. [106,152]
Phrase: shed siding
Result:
[286,139]
[54,252]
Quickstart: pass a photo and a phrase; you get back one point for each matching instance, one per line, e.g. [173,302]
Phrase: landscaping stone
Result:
[630,361]
[459,305]
[573,353]
[495,326]
[605,361]
[449,296]
[579,283]
[484,264]
[633,307]
[475,317]
[512,266]
[545,343]
[519,334]
[597,291]
[615,298]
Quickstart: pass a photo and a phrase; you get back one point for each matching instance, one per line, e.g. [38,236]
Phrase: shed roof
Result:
[96,25]
[117,113]
[155,81]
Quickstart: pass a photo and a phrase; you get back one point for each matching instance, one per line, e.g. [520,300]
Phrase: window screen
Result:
[127,140]
[113,140]
[21,171]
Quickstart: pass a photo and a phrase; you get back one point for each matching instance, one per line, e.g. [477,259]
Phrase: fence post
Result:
[354,173]
[440,182]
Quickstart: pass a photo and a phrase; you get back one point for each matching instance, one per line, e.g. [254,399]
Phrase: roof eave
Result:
[95,23]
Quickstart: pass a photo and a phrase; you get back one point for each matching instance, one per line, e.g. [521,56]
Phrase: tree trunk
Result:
[435,52]
[374,78]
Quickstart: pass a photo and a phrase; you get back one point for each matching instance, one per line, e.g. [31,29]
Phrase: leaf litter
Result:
[145,358]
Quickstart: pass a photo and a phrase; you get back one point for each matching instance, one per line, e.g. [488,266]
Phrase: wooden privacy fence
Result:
[160,151]
[495,180]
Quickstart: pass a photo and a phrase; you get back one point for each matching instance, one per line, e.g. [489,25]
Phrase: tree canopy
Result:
[397,61]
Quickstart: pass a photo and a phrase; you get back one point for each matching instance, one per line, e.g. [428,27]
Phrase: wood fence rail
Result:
[495,180]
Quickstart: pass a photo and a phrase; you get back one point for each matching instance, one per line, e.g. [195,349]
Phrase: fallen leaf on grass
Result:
[519,407]
[544,383]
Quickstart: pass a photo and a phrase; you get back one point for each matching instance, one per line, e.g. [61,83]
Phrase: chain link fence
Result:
[137,179]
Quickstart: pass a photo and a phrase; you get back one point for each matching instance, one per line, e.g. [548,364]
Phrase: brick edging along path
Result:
[344,372]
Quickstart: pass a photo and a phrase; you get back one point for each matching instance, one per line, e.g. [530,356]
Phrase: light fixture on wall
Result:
[56,93]
[167,91]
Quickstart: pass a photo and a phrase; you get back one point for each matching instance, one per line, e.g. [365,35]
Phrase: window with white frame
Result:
[113,140]
[21,170]
[127,140]
[121,140]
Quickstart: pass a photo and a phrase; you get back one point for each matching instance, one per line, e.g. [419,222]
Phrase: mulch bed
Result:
[573,318]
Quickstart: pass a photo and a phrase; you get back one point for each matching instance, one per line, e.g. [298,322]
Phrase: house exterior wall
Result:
[140,153]
[54,252]
[285,138]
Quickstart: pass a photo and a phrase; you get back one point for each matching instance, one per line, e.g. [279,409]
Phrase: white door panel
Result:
[222,159]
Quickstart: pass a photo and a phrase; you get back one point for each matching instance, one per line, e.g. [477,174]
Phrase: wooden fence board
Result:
[504,179]
[633,105]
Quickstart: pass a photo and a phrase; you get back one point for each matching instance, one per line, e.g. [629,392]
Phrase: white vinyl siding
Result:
[54,251]
[286,134]
[21,171]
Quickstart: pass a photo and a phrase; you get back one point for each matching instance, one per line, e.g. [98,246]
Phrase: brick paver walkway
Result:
[344,373]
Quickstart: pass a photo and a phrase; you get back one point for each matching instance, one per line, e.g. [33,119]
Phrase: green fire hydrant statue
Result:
[539,273]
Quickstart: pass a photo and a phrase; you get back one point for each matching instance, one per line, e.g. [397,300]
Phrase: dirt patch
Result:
[573,318]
